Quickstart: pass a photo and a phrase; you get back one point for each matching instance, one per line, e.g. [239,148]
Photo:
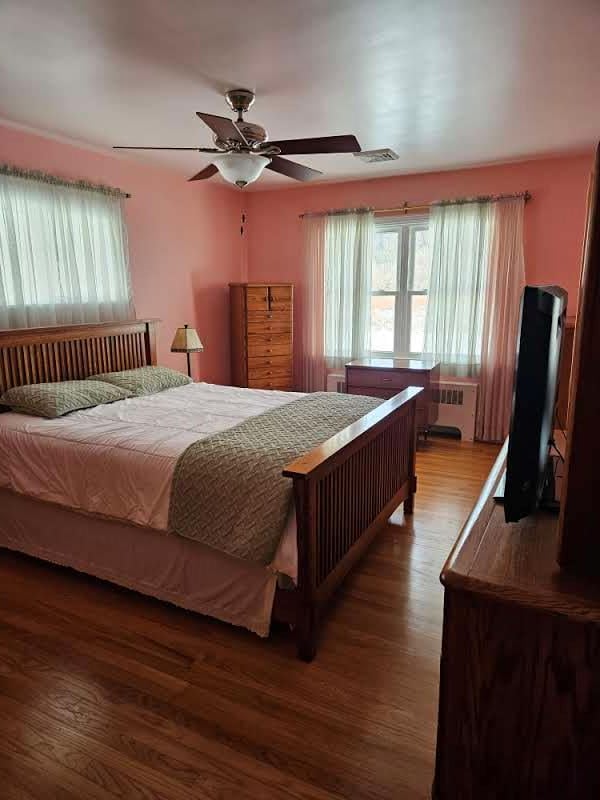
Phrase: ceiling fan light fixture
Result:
[241,168]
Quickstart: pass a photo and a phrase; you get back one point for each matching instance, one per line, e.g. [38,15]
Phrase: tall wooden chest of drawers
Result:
[262,335]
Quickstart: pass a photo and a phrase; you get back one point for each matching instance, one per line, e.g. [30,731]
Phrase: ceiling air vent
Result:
[376,156]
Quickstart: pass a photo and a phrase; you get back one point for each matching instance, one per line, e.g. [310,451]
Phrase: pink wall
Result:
[184,241]
[554,218]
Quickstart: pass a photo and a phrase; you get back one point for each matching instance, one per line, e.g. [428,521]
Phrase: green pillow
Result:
[55,399]
[145,380]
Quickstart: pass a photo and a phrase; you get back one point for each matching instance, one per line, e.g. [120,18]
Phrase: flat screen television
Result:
[528,470]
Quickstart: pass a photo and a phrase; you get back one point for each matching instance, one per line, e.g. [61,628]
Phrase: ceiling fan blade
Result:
[319,144]
[223,127]
[195,149]
[207,172]
[292,169]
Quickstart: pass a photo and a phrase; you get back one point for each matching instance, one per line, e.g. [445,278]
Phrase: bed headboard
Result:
[72,352]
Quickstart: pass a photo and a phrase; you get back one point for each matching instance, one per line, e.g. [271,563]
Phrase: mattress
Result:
[117,461]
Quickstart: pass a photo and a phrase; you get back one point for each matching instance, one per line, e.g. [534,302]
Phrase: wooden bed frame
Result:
[345,490]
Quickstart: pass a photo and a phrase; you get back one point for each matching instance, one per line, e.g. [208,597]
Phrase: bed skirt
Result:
[168,567]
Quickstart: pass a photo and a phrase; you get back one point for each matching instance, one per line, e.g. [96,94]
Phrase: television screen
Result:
[543,311]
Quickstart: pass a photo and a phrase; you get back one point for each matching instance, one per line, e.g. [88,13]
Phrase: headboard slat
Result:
[72,352]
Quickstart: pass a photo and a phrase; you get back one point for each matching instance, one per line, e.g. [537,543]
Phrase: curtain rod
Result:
[406,207]
[55,180]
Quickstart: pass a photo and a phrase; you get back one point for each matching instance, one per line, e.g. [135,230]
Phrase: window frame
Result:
[402,294]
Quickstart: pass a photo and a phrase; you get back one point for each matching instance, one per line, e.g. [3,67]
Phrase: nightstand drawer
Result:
[392,379]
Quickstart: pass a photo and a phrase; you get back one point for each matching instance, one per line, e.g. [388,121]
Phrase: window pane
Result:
[421,262]
[385,264]
[382,323]
[418,307]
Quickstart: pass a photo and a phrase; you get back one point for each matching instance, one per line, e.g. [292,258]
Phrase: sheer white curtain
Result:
[314,368]
[349,252]
[63,255]
[477,277]
[338,256]
[460,236]
[505,284]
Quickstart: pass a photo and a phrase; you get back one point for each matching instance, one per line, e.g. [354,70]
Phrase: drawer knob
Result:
[387,380]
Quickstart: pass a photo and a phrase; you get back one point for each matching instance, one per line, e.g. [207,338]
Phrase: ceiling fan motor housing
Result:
[240,100]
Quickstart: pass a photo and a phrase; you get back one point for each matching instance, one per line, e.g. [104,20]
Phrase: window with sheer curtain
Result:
[401,267]
[63,254]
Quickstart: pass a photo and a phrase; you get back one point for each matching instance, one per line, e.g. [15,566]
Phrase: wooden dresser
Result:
[262,335]
[385,377]
[519,713]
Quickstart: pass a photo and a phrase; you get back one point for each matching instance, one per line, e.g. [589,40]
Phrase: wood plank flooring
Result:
[107,694]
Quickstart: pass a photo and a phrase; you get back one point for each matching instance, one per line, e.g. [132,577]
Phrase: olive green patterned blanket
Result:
[228,491]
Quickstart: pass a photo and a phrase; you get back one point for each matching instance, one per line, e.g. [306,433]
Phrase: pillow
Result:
[145,380]
[55,399]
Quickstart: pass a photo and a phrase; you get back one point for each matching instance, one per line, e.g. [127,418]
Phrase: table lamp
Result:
[187,341]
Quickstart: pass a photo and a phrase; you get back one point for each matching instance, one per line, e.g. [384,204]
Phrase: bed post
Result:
[345,491]
[306,620]
[409,503]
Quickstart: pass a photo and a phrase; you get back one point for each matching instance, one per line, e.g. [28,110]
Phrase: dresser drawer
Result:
[267,360]
[283,384]
[257,346]
[257,298]
[271,326]
[267,339]
[393,379]
[376,391]
[267,373]
[265,316]
[385,394]
[281,296]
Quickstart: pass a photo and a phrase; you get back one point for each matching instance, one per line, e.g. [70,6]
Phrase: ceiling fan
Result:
[243,148]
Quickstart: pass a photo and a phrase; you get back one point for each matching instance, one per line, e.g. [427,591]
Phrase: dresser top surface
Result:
[261,285]
[412,364]
[516,562]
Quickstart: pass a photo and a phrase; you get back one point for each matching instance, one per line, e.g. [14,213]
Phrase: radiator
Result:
[457,407]
[336,382]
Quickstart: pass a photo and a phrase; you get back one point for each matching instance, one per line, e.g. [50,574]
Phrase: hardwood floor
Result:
[107,694]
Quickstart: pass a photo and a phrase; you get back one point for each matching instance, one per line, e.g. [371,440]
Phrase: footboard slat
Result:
[345,490]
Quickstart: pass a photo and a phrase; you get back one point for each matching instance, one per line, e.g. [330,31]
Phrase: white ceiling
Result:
[444,83]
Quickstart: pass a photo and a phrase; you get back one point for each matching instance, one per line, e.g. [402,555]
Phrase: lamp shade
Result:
[241,168]
[186,340]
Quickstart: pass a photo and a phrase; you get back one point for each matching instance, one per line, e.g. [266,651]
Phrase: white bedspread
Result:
[118,460]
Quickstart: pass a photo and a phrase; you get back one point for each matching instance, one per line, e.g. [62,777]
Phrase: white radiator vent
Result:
[376,156]
[457,407]
[336,382]
[449,396]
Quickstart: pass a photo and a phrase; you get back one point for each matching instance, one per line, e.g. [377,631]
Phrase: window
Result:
[400,281]
[63,254]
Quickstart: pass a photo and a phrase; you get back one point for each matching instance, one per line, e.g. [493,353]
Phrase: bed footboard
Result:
[345,490]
